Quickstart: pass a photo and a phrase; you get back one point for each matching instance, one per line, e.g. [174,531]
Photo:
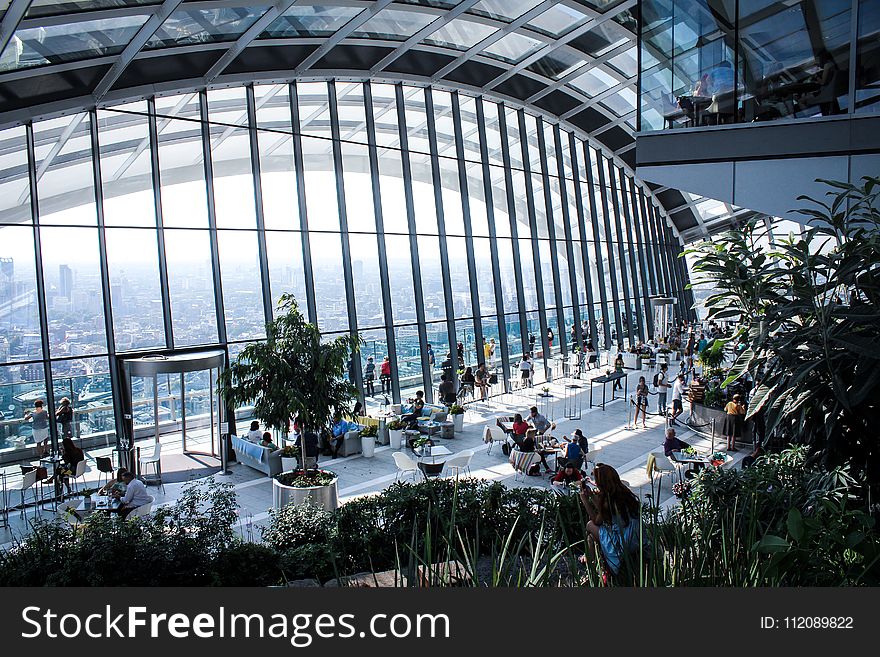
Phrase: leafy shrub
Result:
[296,525]
[246,564]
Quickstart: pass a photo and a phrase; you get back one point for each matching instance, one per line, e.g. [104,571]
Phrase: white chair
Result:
[140,511]
[154,459]
[28,483]
[67,512]
[488,439]
[406,465]
[521,462]
[79,474]
[658,464]
[592,457]
[460,463]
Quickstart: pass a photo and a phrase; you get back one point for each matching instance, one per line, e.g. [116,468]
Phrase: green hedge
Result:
[780,522]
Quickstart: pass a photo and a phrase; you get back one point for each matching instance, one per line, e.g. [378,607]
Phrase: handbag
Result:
[493,379]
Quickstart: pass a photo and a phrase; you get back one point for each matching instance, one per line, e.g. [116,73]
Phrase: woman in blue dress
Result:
[614,517]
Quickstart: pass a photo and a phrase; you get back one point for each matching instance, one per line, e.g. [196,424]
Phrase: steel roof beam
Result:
[248,36]
[134,46]
[419,36]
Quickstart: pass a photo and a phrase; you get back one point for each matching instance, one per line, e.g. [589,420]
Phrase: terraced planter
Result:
[325,496]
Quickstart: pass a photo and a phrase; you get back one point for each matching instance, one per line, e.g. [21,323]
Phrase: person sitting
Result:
[581,441]
[135,494]
[481,380]
[528,445]
[468,381]
[71,455]
[572,452]
[541,423]
[673,444]
[254,435]
[266,441]
[614,511]
[411,419]
[520,428]
[114,485]
[338,429]
[446,390]
[310,440]
[566,475]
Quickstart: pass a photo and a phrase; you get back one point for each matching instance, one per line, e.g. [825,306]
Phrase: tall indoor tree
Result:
[293,373]
[816,334]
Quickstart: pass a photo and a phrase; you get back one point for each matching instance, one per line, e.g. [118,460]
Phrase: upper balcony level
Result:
[749,102]
[710,62]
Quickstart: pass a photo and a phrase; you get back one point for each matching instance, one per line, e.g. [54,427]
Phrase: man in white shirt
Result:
[677,394]
[135,494]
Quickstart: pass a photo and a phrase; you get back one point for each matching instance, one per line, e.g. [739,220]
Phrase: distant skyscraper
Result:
[65,281]
[7,278]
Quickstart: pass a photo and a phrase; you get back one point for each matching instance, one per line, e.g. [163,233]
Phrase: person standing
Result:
[485,350]
[370,376]
[550,337]
[531,343]
[385,376]
[618,369]
[525,371]
[733,421]
[661,382]
[641,402]
[677,396]
[64,415]
[431,361]
[490,359]
[40,426]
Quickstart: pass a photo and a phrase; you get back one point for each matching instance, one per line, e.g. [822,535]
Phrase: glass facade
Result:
[410,215]
[705,62]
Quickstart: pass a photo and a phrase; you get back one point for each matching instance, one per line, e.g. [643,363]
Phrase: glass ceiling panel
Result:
[190,26]
[621,102]
[309,22]
[513,47]
[56,44]
[394,24]
[460,34]
[503,10]
[593,82]
[55,7]
[557,21]
[557,64]
[626,63]
[603,38]
[446,4]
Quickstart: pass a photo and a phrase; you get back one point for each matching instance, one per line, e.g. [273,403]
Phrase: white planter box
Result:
[327,497]
[396,438]
[368,446]
[458,421]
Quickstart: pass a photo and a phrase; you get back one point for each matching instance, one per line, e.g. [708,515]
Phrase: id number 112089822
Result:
[807,623]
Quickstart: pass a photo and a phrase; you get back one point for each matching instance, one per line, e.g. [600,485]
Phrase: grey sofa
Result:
[254,456]
[351,444]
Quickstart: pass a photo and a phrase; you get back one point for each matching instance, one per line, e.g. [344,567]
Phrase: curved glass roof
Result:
[572,59]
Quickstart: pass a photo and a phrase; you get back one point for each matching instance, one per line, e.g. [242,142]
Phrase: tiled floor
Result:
[624,448]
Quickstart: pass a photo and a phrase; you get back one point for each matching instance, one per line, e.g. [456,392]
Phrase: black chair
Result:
[104,464]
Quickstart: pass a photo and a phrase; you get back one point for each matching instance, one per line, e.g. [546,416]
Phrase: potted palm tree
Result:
[293,373]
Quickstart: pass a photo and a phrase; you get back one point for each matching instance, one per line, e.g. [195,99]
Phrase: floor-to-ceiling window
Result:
[411,215]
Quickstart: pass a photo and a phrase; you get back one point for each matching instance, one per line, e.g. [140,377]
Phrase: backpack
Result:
[534,470]
[657,380]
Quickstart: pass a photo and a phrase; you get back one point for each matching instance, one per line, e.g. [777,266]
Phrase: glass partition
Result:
[710,62]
